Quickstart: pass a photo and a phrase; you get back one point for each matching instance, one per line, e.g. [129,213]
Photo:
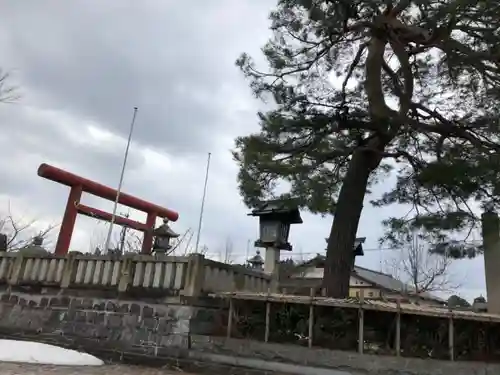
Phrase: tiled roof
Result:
[379,279]
[388,282]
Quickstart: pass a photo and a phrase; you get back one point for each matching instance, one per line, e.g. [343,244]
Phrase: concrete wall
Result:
[223,277]
[189,275]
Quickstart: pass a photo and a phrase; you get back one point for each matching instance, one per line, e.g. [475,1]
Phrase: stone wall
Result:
[157,331]
[148,328]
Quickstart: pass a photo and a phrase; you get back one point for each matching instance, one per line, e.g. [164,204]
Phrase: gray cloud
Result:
[170,59]
[87,63]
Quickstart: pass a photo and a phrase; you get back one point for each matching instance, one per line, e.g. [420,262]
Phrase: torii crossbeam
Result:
[79,185]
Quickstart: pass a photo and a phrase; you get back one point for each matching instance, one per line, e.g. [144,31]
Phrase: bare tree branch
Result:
[423,271]
[8,93]
[21,233]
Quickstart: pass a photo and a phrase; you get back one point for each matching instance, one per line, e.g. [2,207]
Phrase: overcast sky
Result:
[81,67]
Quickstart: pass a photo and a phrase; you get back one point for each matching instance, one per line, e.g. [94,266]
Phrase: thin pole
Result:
[108,238]
[202,204]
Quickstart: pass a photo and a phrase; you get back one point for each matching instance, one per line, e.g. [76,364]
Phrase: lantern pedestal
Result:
[272,260]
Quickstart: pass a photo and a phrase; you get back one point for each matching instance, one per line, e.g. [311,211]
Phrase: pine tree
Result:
[360,91]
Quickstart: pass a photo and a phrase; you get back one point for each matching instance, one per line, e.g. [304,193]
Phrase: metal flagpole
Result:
[202,205]
[110,231]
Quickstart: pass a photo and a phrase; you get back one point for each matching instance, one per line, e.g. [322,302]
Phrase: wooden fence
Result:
[188,275]
[452,320]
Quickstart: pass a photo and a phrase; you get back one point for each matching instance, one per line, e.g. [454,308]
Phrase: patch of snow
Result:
[35,352]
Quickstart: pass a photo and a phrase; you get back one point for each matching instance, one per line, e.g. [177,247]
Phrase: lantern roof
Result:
[164,230]
[256,260]
[286,211]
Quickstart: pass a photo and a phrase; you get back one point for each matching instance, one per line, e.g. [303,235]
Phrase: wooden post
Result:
[361,323]
[451,341]
[311,320]
[397,343]
[230,318]
[268,313]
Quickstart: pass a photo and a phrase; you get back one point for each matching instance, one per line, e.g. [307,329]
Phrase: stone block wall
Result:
[147,328]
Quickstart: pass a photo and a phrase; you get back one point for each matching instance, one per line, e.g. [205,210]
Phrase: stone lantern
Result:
[35,248]
[275,218]
[256,262]
[163,234]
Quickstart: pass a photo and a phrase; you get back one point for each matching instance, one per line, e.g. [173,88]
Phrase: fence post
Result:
[126,273]
[68,270]
[17,267]
[195,275]
[230,318]
[311,319]
[361,323]
[397,343]
[268,316]
[451,340]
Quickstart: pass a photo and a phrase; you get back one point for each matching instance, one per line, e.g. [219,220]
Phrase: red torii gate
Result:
[79,185]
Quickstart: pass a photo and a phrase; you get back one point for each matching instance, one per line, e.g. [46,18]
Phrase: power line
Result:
[319,252]
[364,250]
[468,242]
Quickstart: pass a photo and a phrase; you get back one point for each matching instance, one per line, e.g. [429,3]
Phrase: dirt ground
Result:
[28,369]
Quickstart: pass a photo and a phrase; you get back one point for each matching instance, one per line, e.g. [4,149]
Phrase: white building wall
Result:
[317,273]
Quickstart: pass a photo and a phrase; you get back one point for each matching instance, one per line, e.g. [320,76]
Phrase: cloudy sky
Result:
[82,65]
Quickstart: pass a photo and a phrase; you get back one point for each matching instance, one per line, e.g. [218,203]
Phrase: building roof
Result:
[377,305]
[379,279]
[386,281]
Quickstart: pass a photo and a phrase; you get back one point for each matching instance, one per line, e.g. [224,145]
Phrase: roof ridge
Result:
[378,272]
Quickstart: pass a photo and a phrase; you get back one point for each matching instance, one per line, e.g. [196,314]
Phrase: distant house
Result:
[373,284]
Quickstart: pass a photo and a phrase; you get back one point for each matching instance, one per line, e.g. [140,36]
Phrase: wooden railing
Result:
[188,275]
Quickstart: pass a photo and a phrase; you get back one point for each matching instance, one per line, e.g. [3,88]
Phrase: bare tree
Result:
[21,233]
[132,241]
[421,270]
[8,93]
[226,254]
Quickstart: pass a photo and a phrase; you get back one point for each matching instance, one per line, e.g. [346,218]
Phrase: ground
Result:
[32,369]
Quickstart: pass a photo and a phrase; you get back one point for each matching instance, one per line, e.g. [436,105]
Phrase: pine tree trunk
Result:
[340,250]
